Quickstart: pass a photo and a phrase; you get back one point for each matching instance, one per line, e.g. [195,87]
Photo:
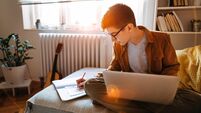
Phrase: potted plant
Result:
[14,54]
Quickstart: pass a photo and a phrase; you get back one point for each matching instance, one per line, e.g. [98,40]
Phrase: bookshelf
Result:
[179,8]
[184,33]
[187,37]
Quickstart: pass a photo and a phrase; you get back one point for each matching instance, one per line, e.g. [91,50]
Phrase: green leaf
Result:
[14,55]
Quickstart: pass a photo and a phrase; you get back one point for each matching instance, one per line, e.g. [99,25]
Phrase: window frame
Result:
[63,16]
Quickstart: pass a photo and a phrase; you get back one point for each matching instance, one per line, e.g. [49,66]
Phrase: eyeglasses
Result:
[114,34]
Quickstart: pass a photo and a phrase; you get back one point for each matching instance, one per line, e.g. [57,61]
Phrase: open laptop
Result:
[152,88]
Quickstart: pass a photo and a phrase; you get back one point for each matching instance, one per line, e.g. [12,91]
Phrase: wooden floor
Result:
[16,104]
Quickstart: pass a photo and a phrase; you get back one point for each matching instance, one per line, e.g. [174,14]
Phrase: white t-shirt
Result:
[137,56]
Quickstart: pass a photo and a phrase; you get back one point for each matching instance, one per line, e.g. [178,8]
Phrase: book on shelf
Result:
[175,21]
[158,24]
[178,20]
[186,2]
[178,3]
[169,22]
[170,3]
[67,89]
[161,23]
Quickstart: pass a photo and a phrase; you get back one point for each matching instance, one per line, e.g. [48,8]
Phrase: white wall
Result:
[11,22]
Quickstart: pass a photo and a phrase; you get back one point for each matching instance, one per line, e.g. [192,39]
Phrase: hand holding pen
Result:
[81,81]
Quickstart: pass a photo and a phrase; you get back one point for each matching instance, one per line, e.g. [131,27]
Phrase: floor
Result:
[16,104]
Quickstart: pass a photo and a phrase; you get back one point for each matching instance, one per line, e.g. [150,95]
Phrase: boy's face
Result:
[120,35]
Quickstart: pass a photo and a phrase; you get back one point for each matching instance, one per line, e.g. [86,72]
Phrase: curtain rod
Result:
[37,3]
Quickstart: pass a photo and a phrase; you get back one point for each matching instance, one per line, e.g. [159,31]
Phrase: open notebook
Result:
[67,89]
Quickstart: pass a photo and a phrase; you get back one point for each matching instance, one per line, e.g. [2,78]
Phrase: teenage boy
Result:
[136,49]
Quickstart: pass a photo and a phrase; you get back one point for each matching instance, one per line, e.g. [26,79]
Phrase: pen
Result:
[83,75]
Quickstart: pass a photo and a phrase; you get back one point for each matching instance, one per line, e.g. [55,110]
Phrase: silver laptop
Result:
[141,87]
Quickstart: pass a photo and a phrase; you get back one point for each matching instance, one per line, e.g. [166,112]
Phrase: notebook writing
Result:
[67,89]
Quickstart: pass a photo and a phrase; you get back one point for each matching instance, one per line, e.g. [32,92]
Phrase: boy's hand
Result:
[80,83]
[99,75]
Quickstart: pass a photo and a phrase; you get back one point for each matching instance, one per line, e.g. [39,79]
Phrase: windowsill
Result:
[63,31]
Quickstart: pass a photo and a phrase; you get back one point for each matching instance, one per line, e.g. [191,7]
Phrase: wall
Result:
[11,22]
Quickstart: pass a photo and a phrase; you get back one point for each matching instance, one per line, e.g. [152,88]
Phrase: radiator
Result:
[79,51]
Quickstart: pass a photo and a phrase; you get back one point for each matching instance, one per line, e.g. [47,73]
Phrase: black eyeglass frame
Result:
[114,35]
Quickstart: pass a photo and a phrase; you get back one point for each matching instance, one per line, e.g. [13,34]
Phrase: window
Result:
[81,15]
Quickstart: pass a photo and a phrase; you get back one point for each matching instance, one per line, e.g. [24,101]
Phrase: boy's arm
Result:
[114,65]
[170,62]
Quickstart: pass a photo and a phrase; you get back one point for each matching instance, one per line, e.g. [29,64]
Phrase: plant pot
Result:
[14,75]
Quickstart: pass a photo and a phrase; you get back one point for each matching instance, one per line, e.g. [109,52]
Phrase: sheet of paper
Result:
[67,89]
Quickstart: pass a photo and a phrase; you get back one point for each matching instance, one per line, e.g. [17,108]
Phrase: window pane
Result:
[83,15]
[49,15]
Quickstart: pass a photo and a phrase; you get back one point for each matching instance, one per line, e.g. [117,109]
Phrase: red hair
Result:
[117,16]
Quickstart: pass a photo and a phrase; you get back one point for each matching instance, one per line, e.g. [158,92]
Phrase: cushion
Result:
[190,68]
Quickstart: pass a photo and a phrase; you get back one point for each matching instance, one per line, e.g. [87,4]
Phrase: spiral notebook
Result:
[67,89]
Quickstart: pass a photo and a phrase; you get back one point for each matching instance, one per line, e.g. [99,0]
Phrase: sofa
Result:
[190,68]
